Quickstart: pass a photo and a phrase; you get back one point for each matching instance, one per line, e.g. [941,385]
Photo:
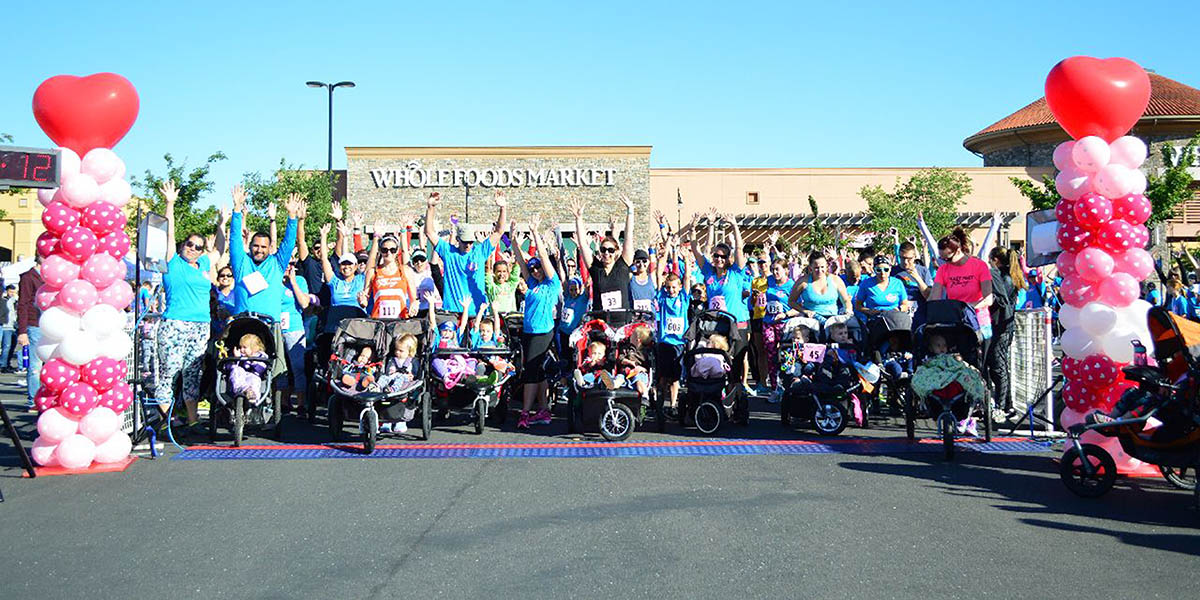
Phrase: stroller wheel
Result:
[334,410]
[910,416]
[239,420]
[481,414]
[1179,478]
[572,416]
[785,410]
[947,424]
[1075,474]
[708,417]
[213,410]
[987,422]
[830,417]
[277,418]
[426,415]
[616,423]
[369,422]
[660,414]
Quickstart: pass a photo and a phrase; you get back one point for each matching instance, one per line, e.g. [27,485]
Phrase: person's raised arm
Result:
[628,244]
[273,226]
[295,203]
[986,246]
[693,243]
[931,245]
[323,252]
[518,252]
[170,194]
[221,241]
[585,251]
[373,254]
[431,205]
[543,253]
[237,250]
[302,299]
[501,202]
[738,252]
[301,241]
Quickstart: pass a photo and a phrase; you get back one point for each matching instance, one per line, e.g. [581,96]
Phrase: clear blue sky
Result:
[707,84]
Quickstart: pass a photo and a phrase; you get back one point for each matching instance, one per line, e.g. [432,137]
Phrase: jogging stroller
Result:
[823,388]
[316,359]
[958,324]
[471,381]
[350,399]
[890,340]
[1167,396]
[236,410]
[709,401]
[617,411]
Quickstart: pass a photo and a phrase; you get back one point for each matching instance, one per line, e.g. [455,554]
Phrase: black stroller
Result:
[316,360]
[350,402]
[890,341]
[710,401]
[236,410]
[958,323]
[479,393]
[821,392]
[617,412]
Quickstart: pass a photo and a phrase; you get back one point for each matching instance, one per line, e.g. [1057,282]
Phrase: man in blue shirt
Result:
[464,264]
[259,274]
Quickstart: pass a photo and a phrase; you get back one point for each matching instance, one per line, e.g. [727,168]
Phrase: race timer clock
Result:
[28,167]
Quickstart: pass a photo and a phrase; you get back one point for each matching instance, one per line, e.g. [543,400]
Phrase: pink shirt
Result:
[966,283]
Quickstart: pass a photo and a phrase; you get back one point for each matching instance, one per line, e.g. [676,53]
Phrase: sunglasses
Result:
[225,276]
[193,245]
[721,256]
[608,250]
[389,249]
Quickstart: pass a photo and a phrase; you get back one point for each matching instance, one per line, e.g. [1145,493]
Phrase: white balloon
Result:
[116,192]
[114,449]
[1071,184]
[1113,181]
[1119,346]
[1128,151]
[1097,319]
[1069,316]
[47,351]
[99,424]
[1062,155]
[117,346]
[69,164]
[57,324]
[1090,154]
[79,348]
[102,164]
[81,191]
[1137,182]
[102,320]
[1077,344]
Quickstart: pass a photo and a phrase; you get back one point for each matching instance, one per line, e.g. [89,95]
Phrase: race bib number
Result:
[610,300]
[774,308]
[568,315]
[390,309]
[675,326]
[716,303]
[254,282]
[285,320]
[812,353]
[760,300]
[643,305]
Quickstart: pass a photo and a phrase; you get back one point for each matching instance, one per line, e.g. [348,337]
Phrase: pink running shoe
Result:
[523,422]
[542,417]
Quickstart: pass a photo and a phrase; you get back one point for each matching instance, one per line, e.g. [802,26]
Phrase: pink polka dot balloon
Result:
[47,243]
[103,218]
[1077,396]
[57,374]
[117,295]
[78,243]
[1073,238]
[1116,236]
[45,297]
[58,217]
[1140,236]
[45,400]
[103,373]
[1098,372]
[1064,211]
[1066,263]
[78,399]
[1118,291]
[1094,264]
[115,244]
[1134,209]
[58,270]
[1107,398]
[1092,211]
[118,398]
[1077,292]
[78,296]
[1136,262]
[102,270]
[1071,367]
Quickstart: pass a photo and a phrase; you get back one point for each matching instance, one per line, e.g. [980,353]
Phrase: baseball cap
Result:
[346,257]
[418,256]
[640,254]
[462,234]
[534,262]
[882,260]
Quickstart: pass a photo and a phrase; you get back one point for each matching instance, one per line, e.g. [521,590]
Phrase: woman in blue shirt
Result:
[817,296]
[296,299]
[881,293]
[184,331]
[346,286]
[537,330]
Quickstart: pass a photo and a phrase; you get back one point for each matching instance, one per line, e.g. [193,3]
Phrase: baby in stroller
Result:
[359,375]
[712,366]
[630,367]
[944,376]
[398,369]
[245,373]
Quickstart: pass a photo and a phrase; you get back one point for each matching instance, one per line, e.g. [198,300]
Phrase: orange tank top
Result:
[391,295]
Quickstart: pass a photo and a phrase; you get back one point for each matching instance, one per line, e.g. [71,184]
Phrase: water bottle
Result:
[1139,354]
[25,357]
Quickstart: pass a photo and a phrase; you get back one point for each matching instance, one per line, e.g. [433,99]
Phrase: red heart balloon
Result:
[83,113]
[1092,96]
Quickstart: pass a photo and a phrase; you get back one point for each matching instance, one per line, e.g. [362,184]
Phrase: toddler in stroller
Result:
[246,363]
[708,401]
[245,374]
[611,383]
[948,388]
[470,378]
[825,382]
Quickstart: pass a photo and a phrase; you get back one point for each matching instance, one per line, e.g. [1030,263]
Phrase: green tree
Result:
[192,184]
[313,185]
[819,236]
[935,193]
[1041,196]
[1170,188]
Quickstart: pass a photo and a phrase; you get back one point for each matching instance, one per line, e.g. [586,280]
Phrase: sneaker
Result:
[523,422]
[605,380]
[385,427]
[775,397]
[999,416]
[399,427]
[542,417]
[971,428]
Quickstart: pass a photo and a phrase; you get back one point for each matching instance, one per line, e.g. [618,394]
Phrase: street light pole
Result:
[330,87]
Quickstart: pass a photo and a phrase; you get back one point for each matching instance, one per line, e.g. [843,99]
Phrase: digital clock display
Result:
[28,167]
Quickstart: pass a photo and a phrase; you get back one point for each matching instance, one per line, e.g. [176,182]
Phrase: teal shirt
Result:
[269,300]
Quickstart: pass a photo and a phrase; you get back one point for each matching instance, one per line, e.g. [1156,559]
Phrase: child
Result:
[397,373]
[632,363]
[712,366]
[452,369]
[594,368]
[486,335]
[943,371]
[359,375]
[246,376]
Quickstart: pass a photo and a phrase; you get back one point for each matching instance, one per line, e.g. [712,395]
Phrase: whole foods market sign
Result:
[413,175]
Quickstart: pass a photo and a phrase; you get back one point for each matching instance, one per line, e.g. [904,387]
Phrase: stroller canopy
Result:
[1174,338]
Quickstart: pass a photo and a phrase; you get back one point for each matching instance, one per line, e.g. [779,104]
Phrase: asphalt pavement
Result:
[845,525]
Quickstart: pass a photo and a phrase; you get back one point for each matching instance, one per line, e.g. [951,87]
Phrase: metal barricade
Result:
[1031,369]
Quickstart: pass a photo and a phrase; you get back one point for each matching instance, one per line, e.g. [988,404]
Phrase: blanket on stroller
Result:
[944,369]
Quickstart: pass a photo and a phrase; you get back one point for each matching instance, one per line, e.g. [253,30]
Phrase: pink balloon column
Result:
[1102,232]
[83,300]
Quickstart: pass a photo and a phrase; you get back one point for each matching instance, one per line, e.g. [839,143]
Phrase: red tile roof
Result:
[1168,98]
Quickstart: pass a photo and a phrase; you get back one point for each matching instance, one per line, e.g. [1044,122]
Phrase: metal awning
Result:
[756,228]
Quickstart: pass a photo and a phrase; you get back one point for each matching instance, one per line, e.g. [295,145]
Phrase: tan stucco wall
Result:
[22,223]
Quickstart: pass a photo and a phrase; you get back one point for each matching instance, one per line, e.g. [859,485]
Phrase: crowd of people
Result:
[407,267]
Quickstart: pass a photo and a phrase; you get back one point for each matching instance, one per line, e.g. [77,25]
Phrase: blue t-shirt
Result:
[642,294]
[777,299]
[463,274]
[910,282]
[725,293]
[187,290]
[540,301]
[295,322]
[672,317]
[1154,297]
[344,292]
[888,298]
[268,300]
[573,311]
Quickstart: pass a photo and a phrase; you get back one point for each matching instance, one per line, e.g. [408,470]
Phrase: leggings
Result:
[772,334]
[181,346]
